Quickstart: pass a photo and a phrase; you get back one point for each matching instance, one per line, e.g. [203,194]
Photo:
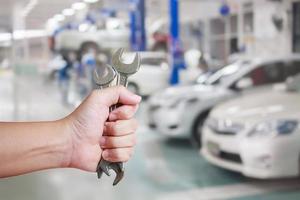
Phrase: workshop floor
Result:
[160,170]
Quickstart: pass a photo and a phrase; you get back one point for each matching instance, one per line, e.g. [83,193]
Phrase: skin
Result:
[79,140]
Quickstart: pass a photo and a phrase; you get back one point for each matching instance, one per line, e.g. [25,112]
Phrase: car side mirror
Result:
[244,83]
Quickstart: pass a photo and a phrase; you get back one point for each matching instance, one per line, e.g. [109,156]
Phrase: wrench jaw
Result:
[105,166]
[125,68]
[119,176]
[109,75]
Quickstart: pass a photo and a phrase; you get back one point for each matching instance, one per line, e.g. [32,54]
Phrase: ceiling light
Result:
[79,6]
[68,12]
[91,1]
[59,17]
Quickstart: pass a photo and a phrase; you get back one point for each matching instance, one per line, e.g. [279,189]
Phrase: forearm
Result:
[27,147]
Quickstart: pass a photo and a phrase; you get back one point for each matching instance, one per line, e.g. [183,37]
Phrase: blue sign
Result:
[224,10]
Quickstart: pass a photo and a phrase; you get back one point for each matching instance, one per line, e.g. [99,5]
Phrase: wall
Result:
[268,39]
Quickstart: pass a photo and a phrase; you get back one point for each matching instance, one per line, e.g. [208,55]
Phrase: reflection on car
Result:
[180,111]
[257,134]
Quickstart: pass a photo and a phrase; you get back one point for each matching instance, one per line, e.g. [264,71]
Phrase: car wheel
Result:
[196,136]
[132,87]
[89,46]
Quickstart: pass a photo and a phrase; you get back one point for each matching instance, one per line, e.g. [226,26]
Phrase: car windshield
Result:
[225,73]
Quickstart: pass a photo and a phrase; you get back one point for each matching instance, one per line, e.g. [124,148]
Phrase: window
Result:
[292,68]
[267,74]
[296,27]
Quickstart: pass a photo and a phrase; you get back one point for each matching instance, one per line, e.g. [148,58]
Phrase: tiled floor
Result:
[161,169]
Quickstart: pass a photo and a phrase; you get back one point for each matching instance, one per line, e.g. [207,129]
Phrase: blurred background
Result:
[220,85]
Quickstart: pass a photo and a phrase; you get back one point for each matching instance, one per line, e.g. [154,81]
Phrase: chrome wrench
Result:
[104,77]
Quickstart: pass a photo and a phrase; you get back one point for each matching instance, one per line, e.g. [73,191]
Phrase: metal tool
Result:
[104,79]
[104,76]
[125,70]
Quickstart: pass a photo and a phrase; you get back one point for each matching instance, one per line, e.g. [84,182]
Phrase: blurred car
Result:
[90,37]
[180,111]
[154,73]
[258,134]
[154,66]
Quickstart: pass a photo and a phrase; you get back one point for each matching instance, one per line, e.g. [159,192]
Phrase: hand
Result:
[93,138]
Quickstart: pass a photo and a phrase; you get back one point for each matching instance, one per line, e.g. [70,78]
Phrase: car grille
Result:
[232,157]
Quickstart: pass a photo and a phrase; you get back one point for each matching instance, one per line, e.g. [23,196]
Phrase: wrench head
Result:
[105,166]
[104,75]
[126,68]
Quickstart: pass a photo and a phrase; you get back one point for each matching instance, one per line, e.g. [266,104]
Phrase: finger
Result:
[123,113]
[117,155]
[117,94]
[120,128]
[107,142]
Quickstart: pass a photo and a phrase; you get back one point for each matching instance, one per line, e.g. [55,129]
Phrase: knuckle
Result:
[115,128]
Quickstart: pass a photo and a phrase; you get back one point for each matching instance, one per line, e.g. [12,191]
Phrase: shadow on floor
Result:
[178,143]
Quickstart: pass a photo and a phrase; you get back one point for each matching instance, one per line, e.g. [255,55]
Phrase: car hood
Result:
[199,91]
[263,105]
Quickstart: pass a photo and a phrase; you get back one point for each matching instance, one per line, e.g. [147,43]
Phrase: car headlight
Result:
[186,100]
[273,128]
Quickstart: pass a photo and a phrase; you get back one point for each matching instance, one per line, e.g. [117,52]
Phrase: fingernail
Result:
[102,141]
[137,97]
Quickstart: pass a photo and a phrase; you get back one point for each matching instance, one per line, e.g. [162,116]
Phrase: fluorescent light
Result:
[5,37]
[21,34]
[91,1]
[31,5]
[79,6]
[59,17]
[68,12]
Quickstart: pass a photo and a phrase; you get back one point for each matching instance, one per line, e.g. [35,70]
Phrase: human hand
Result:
[92,137]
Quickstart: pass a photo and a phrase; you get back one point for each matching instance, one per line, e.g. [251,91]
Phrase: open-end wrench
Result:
[103,77]
[125,70]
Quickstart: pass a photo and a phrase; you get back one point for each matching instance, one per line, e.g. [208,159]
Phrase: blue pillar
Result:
[133,28]
[177,60]
[137,25]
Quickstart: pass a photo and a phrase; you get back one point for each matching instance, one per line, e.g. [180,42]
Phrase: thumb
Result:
[118,94]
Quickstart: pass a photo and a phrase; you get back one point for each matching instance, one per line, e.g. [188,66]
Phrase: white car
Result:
[154,73]
[257,135]
[92,38]
[180,111]
[154,66]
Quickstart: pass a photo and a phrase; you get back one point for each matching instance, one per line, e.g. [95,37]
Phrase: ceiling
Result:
[45,9]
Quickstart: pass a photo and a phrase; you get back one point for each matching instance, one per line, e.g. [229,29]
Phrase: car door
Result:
[292,68]
[268,74]
[264,74]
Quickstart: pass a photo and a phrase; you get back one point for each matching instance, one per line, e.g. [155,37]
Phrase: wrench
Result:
[103,77]
[125,70]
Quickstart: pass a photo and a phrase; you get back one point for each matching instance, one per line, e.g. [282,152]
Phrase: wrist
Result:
[64,142]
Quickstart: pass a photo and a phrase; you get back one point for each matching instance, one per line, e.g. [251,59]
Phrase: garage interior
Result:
[219,116]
